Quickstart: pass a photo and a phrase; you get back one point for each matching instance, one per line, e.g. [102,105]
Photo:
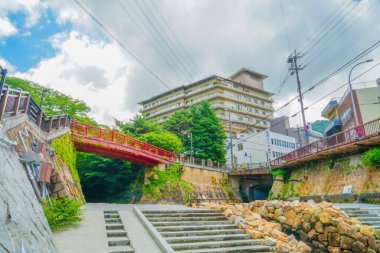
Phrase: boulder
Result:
[334,239]
[325,218]
[319,227]
[269,241]
[301,246]
[346,242]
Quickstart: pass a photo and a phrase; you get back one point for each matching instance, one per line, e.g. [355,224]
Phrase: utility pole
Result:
[191,144]
[232,152]
[292,59]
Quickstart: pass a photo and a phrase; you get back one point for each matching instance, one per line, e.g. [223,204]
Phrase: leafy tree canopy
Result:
[165,140]
[138,125]
[206,129]
[54,102]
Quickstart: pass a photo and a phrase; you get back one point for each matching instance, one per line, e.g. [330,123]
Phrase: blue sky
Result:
[56,44]
[26,49]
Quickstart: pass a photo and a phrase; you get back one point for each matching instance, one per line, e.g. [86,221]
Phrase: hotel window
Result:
[239,107]
[265,123]
[240,146]
[262,102]
[255,101]
[256,111]
[257,121]
[235,86]
[239,117]
[264,113]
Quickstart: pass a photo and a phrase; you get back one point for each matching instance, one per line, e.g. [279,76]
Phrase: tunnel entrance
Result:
[259,192]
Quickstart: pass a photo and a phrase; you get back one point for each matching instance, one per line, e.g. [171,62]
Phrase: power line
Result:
[187,55]
[327,42]
[285,25]
[122,45]
[327,22]
[250,136]
[180,62]
[166,57]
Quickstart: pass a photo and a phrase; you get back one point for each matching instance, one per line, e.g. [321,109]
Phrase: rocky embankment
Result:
[301,227]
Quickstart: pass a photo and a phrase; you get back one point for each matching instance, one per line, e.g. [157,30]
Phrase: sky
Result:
[139,49]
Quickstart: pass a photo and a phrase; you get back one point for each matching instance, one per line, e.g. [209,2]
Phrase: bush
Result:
[372,158]
[167,185]
[62,212]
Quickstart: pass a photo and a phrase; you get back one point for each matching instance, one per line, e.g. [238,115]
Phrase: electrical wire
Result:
[122,45]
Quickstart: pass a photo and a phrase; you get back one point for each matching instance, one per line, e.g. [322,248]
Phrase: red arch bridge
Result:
[104,142]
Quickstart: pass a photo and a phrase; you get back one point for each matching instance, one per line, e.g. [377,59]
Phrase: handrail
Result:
[17,101]
[355,134]
[94,132]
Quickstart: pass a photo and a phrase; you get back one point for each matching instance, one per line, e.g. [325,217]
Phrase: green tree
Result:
[55,102]
[209,137]
[109,180]
[165,140]
[179,123]
[138,125]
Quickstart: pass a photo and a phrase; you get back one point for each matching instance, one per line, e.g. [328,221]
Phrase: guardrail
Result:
[251,171]
[17,101]
[338,197]
[359,133]
[215,200]
[98,133]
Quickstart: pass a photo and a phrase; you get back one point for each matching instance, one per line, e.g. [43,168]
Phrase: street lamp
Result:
[352,95]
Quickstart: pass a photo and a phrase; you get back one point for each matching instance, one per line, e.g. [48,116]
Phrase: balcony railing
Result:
[356,134]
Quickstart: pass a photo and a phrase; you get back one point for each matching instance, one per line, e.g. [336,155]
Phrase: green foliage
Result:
[109,180]
[138,125]
[64,149]
[62,212]
[179,123]
[209,137]
[55,102]
[285,173]
[165,140]
[168,185]
[372,158]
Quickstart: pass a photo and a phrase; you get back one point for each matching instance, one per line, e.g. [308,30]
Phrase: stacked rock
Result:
[301,226]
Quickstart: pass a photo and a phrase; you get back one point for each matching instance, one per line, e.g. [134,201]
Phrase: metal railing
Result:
[94,132]
[251,171]
[17,101]
[359,133]
[226,200]
[202,163]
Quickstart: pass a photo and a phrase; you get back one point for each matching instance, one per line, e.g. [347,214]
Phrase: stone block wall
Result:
[23,226]
[328,177]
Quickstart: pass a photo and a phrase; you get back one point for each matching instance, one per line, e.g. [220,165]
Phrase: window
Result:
[271,140]
[256,111]
[257,121]
[255,101]
[262,102]
[264,122]
[240,146]
[239,117]
[239,107]
[248,99]
[264,113]
[274,154]
[235,86]
[249,109]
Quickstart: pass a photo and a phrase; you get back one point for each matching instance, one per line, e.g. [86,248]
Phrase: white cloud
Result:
[5,64]
[95,72]
[7,28]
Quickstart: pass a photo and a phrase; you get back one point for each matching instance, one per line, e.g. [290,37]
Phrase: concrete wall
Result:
[23,226]
[369,103]
[329,177]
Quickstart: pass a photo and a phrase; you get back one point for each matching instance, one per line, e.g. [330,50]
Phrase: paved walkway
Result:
[89,236]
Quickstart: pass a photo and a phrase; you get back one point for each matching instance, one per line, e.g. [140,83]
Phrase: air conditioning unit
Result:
[32,157]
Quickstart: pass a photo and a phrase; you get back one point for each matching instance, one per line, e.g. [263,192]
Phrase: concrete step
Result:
[189,228]
[188,223]
[215,244]
[118,241]
[114,227]
[113,221]
[111,216]
[116,233]
[371,223]
[121,249]
[200,218]
[183,211]
[207,238]
[241,249]
[369,218]
[202,232]
[192,214]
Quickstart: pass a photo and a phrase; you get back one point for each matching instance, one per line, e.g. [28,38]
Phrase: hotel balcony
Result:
[334,127]
[329,108]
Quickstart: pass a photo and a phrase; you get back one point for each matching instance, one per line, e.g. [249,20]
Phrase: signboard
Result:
[347,189]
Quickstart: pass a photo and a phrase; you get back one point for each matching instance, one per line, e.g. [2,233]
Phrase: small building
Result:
[260,148]
[281,125]
[340,111]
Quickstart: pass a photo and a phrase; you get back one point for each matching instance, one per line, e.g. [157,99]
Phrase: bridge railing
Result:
[99,133]
[352,135]
[16,101]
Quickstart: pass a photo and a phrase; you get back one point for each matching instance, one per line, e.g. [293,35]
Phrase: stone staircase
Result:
[202,231]
[118,241]
[367,215]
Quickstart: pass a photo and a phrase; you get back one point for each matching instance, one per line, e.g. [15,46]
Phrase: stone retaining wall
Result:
[23,226]
[318,227]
